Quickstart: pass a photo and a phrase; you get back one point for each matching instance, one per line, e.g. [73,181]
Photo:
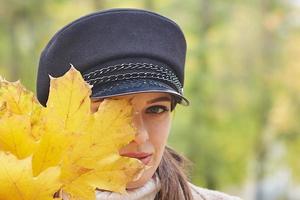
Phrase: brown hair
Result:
[173,177]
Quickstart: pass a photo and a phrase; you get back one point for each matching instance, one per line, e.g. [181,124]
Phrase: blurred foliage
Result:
[242,78]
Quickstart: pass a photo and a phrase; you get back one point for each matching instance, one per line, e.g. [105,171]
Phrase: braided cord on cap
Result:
[100,76]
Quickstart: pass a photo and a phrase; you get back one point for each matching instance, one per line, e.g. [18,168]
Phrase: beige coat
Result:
[205,194]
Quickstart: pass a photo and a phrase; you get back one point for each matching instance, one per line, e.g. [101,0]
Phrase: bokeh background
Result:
[242,130]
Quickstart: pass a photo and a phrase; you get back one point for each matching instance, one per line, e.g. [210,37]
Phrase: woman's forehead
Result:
[145,95]
[149,97]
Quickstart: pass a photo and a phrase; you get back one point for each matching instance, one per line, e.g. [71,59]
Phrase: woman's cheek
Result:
[159,133]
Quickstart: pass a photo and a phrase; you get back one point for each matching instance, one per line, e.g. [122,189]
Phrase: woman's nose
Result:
[141,130]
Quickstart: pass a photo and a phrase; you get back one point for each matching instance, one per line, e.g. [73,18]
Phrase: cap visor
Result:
[134,86]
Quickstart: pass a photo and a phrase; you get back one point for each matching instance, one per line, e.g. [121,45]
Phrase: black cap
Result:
[118,51]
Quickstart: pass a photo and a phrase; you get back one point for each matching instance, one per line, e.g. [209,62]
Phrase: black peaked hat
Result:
[118,51]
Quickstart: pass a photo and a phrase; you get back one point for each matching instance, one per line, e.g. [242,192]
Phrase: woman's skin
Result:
[152,118]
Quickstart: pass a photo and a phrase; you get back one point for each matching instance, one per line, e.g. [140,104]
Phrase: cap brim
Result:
[134,86]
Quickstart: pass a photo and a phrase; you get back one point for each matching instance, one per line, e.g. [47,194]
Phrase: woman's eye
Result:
[157,109]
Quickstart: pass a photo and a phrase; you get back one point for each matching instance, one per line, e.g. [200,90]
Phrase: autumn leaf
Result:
[18,183]
[68,105]
[19,113]
[15,136]
[49,151]
[64,138]
[112,175]
[92,139]
[18,100]
[95,162]
[67,113]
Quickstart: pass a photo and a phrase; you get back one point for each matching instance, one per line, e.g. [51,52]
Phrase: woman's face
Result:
[152,119]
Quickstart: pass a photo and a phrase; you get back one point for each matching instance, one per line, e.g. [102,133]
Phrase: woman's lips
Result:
[142,156]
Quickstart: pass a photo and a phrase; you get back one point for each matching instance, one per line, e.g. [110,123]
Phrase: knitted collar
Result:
[147,192]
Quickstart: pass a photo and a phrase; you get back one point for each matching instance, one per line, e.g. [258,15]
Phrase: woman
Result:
[137,55]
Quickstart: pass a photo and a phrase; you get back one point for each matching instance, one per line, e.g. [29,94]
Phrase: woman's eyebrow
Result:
[165,98]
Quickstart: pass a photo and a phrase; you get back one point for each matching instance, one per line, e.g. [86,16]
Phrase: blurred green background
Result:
[242,78]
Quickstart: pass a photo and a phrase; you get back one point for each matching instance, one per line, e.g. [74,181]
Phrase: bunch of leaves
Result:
[63,146]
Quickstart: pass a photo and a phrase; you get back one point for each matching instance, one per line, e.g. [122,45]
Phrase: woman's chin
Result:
[146,176]
[135,184]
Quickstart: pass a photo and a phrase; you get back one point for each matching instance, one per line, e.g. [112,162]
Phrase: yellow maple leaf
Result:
[49,151]
[68,105]
[67,113]
[18,183]
[84,143]
[19,112]
[16,100]
[112,175]
[65,135]
[15,136]
[95,162]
